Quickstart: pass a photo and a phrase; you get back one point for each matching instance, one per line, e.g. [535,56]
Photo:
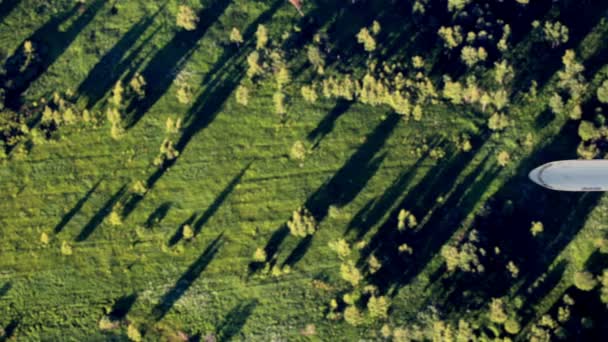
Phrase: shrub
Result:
[66,248]
[497,311]
[536,228]
[133,333]
[187,232]
[235,36]
[242,95]
[186,18]
[309,94]
[298,151]
[261,36]
[44,238]
[587,131]
[602,92]
[341,247]
[364,37]
[503,158]
[512,326]
[302,223]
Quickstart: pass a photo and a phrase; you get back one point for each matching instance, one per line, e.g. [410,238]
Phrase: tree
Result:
[604,291]
[451,36]
[556,103]
[584,281]
[236,37]
[602,92]
[378,307]
[364,37]
[117,92]
[187,232]
[309,94]
[253,63]
[503,158]
[66,248]
[406,220]
[259,255]
[261,36]
[512,326]
[242,95]
[138,85]
[341,247]
[282,76]
[352,315]
[279,103]
[471,56]
[186,18]
[457,5]
[302,223]
[556,33]
[452,90]
[374,264]
[350,273]
[133,333]
[536,228]
[587,131]
[316,58]
[498,122]
[497,311]
[298,151]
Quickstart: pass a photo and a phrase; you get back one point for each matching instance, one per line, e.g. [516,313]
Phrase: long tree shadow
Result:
[348,181]
[158,215]
[219,200]
[186,280]
[9,330]
[235,320]
[101,214]
[114,63]
[457,200]
[6,6]
[375,210]
[219,83]
[164,66]
[122,306]
[178,235]
[70,214]
[5,288]
[505,223]
[326,125]
[50,41]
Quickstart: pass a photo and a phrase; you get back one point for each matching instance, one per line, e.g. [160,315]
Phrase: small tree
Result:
[279,103]
[602,92]
[604,291]
[503,158]
[236,37]
[138,85]
[187,232]
[537,228]
[66,248]
[497,311]
[259,255]
[584,281]
[253,63]
[378,307]
[242,95]
[353,316]
[555,33]
[261,36]
[133,333]
[587,131]
[364,37]
[302,223]
[341,247]
[350,273]
[117,93]
[44,238]
[452,36]
[309,94]
[512,326]
[186,18]
[298,151]
[316,58]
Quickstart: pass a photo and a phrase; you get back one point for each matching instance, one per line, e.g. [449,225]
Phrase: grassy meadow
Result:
[116,259]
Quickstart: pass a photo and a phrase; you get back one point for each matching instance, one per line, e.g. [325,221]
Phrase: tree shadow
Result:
[178,235]
[158,215]
[70,214]
[114,63]
[9,330]
[235,320]
[96,220]
[434,228]
[219,200]
[348,181]
[6,7]
[5,288]
[375,210]
[166,64]
[326,125]
[505,223]
[50,42]
[122,306]
[187,279]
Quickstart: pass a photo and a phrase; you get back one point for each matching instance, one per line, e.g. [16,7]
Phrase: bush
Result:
[350,273]
[298,151]
[587,131]
[497,311]
[512,326]
[133,333]
[353,316]
[259,255]
[602,92]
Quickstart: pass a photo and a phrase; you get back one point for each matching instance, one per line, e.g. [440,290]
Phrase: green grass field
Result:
[236,184]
